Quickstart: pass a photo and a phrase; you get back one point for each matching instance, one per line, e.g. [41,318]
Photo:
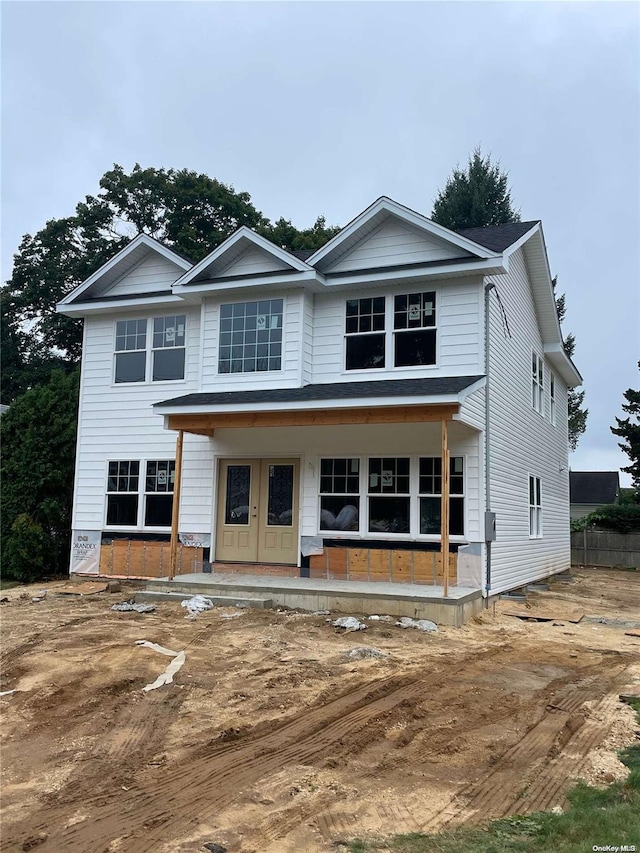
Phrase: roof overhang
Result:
[88,293]
[121,305]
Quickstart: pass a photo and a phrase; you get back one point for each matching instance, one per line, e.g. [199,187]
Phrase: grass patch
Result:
[609,816]
[7,584]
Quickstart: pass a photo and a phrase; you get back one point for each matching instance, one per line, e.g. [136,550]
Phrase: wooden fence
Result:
[605,548]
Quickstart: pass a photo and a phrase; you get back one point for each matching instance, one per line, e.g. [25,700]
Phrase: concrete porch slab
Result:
[357,597]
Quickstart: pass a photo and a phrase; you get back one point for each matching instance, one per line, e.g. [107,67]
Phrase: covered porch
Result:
[355,428]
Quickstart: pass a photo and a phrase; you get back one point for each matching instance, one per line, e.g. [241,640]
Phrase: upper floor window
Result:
[537,383]
[365,335]
[250,337]
[552,399]
[167,349]
[414,321]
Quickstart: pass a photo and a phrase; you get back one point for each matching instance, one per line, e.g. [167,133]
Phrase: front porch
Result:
[354,597]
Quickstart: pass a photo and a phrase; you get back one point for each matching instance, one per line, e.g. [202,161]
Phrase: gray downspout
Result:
[487,423]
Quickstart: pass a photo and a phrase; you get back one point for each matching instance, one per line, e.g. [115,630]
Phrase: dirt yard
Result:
[272,739]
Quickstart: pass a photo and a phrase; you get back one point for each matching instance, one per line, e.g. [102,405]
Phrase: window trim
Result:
[141,495]
[413,535]
[553,400]
[246,376]
[149,350]
[378,332]
[535,509]
[389,333]
[537,383]
[394,332]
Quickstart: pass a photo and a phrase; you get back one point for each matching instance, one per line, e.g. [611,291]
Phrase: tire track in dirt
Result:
[211,779]
[500,792]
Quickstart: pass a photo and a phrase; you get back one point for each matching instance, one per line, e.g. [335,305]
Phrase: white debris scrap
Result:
[380,618]
[126,606]
[361,652]
[167,676]
[349,623]
[420,624]
[196,604]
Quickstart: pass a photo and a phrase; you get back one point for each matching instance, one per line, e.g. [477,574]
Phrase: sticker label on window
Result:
[387,478]
[414,312]
[162,478]
[261,321]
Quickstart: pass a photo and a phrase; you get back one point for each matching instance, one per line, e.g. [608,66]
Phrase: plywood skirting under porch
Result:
[135,559]
[378,565]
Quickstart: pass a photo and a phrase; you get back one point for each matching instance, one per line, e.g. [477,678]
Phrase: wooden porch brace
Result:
[444,510]
[175,510]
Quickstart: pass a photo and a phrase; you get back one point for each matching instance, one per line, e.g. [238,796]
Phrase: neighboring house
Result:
[317,398]
[590,490]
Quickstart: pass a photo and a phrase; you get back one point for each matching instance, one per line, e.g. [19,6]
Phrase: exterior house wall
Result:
[117,422]
[393,243]
[524,442]
[154,273]
[293,323]
[459,349]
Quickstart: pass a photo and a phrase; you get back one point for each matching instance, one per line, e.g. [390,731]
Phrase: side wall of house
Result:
[523,442]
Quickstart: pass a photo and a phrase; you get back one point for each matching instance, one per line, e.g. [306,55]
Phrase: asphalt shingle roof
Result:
[330,391]
[593,487]
[498,237]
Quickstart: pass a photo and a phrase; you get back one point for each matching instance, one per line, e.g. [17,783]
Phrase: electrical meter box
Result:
[489,526]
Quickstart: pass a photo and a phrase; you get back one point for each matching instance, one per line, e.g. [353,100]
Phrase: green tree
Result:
[476,196]
[577,412]
[38,435]
[629,429]
[286,235]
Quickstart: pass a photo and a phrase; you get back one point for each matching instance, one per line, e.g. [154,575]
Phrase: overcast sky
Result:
[319,108]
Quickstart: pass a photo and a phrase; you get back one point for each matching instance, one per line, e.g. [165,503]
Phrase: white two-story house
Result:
[356,412]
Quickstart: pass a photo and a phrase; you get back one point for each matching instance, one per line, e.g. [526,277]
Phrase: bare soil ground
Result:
[273,740]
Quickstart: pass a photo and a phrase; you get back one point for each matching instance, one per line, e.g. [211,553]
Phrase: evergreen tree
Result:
[475,197]
[629,430]
[576,412]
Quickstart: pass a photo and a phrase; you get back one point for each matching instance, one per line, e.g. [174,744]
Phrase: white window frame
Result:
[141,495]
[394,332]
[457,496]
[537,383]
[552,398]
[413,535]
[173,348]
[252,373]
[535,507]
[378,332]
[345,495]
[149,350]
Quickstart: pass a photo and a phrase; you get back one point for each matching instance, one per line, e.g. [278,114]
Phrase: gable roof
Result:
[593,487]
[120,264]
[377,213]
[498,237]
[232,249]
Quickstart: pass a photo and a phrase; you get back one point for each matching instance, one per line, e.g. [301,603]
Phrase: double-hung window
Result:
[128,492]
[430,491]
[535,508]
[364,331]
[389,494]
[167,349]
[122,493]
[131,350]
[414,324]
[552,399]
[251,337]
[339,494]
[537,383]
[158,493]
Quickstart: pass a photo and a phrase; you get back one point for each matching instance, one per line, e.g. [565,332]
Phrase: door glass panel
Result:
[280,502]
[238,494]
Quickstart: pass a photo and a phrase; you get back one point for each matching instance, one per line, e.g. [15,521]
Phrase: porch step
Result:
[219,600]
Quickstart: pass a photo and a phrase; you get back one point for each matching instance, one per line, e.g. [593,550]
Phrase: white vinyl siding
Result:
[394,243]
[289,374]
[522,442]
[154,274]
[459,346]
[118,422]
[253,261]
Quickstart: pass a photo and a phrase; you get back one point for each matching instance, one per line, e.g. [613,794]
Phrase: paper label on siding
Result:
[195,540]
[85,551]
